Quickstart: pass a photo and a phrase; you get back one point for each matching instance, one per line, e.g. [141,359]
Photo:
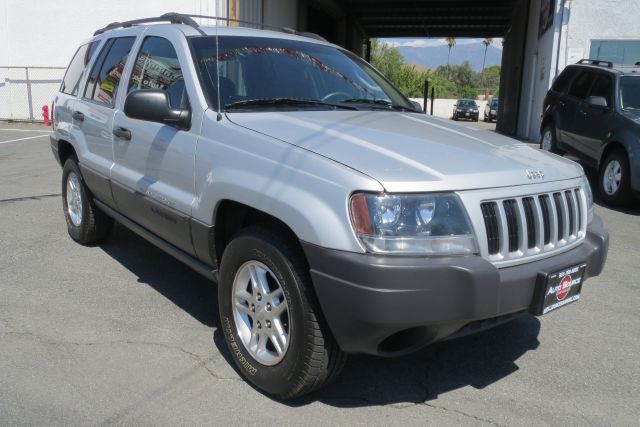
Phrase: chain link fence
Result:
[25,90]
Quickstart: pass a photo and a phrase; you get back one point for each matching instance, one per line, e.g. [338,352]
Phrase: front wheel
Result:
[548,140]
[614,180]
[271,319]
[86,223]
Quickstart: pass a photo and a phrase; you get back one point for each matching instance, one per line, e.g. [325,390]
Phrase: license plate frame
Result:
[558,289]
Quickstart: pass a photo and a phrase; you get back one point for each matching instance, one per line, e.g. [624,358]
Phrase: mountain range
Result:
[433,56]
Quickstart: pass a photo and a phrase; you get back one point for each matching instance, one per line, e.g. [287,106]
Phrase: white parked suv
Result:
[334,216]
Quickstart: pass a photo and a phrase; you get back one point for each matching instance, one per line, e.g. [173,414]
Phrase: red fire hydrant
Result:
[45,115]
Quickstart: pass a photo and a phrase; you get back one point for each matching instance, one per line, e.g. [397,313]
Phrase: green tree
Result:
[451,42]
[450,81]
[487,42]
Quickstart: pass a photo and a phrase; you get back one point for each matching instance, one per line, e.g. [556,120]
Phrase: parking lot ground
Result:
[121,333]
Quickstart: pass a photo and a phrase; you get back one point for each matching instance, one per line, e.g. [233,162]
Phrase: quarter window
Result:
[77,66]
[105,76]
[157,67]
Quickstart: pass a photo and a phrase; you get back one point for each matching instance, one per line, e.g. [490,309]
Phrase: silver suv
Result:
[334,216]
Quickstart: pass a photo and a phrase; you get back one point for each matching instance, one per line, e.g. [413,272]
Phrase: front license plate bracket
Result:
[557,289]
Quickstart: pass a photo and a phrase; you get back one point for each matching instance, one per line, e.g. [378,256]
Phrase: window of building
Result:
[105,76]
[626,52]
[157,67]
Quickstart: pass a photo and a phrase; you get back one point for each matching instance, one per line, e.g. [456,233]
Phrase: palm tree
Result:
[487,42]
[451,42]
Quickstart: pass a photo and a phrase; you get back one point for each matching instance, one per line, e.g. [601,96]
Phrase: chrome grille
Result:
[518,227]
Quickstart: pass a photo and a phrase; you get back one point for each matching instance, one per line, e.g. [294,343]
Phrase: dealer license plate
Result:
[558,289]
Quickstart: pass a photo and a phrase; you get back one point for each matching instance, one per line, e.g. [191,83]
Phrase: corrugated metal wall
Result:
[251,10]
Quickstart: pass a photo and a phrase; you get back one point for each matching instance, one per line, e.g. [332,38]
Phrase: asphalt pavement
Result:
[121,333]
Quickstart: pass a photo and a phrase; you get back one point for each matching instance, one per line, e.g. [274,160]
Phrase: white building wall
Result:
[47,34]
[597,20]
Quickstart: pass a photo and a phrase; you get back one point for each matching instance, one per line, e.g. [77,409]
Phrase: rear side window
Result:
[602,87]
[105,76]
[157,67]
[77,66]
[581,85]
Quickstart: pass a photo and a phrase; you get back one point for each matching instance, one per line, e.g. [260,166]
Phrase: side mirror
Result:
[152,105]
[417,105]
[597,101]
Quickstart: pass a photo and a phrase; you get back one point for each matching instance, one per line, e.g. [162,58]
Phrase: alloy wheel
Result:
[261,313]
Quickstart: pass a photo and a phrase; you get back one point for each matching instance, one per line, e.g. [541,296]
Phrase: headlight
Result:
[493,111]
[419,224]
[587,191]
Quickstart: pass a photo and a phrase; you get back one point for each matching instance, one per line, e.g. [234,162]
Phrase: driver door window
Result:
[157,67]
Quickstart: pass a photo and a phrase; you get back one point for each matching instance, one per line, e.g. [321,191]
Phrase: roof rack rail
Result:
[263,26]
[179,18]
[596,62]
[174,18]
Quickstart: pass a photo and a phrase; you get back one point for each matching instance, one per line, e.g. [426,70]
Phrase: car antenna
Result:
[219,115]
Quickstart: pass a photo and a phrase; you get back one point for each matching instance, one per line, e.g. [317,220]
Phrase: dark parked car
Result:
[592,111]
[491,110]
[465,109]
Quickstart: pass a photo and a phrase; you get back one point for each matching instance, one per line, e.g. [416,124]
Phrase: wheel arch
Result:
[230,217]
[65,150]
[610,148]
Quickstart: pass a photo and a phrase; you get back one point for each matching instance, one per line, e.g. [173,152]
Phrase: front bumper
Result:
[463,115]
[389,305]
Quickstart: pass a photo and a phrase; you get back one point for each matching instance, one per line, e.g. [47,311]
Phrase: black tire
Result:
[622,195]
[455,117]
[313,358]
[94,225]
[553,147]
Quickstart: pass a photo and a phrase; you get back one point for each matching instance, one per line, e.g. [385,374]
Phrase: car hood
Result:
[634,116]
[411,152]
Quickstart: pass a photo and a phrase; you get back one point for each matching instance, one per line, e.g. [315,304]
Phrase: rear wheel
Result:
[86,223]
[548,140]
[614,182]
[271,319]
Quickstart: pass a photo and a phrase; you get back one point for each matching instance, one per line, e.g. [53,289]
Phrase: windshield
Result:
[494,103]
[256,69]
[467,104]
[630,93]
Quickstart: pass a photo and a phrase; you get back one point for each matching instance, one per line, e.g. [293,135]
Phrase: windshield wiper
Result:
[284,102]
[377,102]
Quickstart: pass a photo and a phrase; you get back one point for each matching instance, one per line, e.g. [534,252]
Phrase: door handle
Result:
[122,133]
[77,115]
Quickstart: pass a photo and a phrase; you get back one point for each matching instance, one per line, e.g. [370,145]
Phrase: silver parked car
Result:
[334,216]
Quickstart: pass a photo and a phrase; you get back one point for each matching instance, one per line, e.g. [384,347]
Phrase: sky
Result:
[497,42]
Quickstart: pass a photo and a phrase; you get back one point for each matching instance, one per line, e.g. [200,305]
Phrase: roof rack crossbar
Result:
[174,18]
[179,18]
[597,62]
